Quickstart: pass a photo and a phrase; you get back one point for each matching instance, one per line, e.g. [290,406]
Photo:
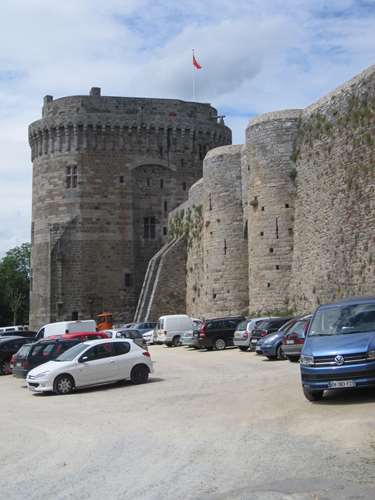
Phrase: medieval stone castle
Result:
[142,207]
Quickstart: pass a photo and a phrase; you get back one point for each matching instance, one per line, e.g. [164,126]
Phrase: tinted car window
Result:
[100,351]
[242,326]
[24,351]
[299,328]
[121,348]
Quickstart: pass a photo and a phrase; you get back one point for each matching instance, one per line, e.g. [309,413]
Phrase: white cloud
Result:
[256,56]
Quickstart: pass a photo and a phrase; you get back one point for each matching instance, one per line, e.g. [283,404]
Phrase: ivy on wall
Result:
[187,223]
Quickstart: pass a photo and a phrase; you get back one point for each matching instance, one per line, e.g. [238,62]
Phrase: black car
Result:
[9,346]
[132,333]
[268,326]
[32,355]
[25,333]
[218,333]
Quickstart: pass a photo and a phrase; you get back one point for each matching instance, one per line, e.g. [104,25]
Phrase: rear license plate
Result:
[18,364]
[337,384]
[290,341]
[254,341]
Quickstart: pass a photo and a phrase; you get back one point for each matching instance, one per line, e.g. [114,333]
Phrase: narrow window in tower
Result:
[209,202]
[148,181]
[74,315]
[152,228]
[165,232]
[68,177]
[74,177]
[245,231]
[128,280]
[225,247]
[146,228]
[165,206]
[184,186]
[121,179]
[286,205]
[32,232]
[161,183]
[277,228]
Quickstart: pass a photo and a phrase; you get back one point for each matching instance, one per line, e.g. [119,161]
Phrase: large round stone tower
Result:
[106,172]
[225,248]
[270,140]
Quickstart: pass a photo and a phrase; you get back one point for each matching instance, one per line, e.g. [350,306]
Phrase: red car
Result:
[82,336]
[295,338]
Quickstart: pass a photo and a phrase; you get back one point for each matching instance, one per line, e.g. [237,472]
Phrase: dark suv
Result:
[218,333]
[32,355]
[268,326]
[8,347]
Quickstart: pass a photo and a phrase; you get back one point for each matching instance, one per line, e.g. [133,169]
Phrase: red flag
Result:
[196,63]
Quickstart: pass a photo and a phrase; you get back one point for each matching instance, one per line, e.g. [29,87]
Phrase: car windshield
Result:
[71,353]
[24,351]
[242,326]
[340,320]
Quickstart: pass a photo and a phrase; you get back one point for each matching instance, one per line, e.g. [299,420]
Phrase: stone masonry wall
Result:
[170,291]
[335,207]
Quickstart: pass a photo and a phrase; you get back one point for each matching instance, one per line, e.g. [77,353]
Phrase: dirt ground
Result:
[209,425]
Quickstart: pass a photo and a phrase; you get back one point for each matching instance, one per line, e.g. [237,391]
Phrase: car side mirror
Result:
[83,359]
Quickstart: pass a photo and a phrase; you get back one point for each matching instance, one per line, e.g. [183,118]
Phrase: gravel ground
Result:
[209,425]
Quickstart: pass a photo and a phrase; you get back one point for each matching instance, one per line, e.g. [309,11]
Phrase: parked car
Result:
[22,333]
[339,351]
[171,328]
[271,345]
[191,337]
[131,333]
[81,336]
[293,341]
[267,326]
[32,355]
[149,337]
[62,327]
[13,329]
[144,327]
[217,333]
[8,347]
[91,363]
[244,330]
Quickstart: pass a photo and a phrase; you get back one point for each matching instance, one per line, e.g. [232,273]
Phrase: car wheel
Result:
[139,374]
[312,395]
[5,368]
[168,344]
[219,344]
[293,359]
[176,341]
[64,384]
[280,353]
[243,348]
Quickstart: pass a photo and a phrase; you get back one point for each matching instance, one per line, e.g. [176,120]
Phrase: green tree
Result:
[15,285]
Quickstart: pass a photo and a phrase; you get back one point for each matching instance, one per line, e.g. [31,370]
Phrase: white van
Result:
[62,327]
[171,328]
[14,328]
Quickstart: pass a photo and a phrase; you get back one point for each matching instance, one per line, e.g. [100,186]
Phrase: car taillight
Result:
[202,330]
[245,335]
[147,354]
[25,363]
[263,333]
[299,341]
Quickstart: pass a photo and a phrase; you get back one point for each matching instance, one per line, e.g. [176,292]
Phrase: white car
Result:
[94,362]
[149,336]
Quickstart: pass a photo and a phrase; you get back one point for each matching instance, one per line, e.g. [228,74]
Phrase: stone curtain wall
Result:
[334,253]
[135,159]
[224,246]
[270,141]
[170,291]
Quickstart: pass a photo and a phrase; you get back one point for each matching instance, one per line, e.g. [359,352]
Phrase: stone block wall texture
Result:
[169,295]
[270,141]
[224,246]
[334,226]
[103,167]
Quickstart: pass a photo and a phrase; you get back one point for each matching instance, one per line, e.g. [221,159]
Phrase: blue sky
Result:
[257,56]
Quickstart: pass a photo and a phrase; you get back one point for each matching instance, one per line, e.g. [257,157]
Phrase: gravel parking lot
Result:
[209,425]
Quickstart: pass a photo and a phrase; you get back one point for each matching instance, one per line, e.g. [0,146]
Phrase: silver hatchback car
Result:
[244,330]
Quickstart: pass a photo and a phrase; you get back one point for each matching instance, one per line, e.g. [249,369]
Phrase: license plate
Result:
[337,384]
[32,388]
[18,364]
[254,341]
[290,341]
[258,349]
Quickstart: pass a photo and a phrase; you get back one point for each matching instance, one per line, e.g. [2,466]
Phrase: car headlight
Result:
[371,354]
[40,375]
[307,360]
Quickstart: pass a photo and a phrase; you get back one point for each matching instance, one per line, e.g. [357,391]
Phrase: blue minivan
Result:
[339,350]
